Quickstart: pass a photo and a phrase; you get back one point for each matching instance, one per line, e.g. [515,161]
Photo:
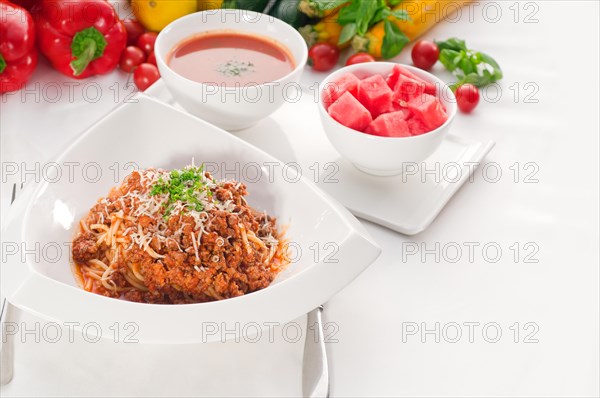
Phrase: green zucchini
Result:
[252,5]
[288,12]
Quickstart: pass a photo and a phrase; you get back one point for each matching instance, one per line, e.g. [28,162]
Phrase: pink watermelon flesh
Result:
[333,91]
[429,109]
[396,108]
[351,113]
[375,95]
[406,89]
[390,125]
[429,86]
[416,126]
[392,78]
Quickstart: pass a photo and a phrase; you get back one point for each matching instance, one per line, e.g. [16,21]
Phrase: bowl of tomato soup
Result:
[231,67]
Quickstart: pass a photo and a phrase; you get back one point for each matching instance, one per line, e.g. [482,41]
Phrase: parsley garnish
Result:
[234,68]
[183,185]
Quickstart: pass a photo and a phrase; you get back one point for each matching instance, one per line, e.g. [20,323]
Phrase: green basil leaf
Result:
[366,12]
[401,15]
[452,44]
[381,14]
[393,40]
[497,75]
[325,5]
[393,3]
[347,33]
[348,14]
[467,65]
[450,59]
[475,80]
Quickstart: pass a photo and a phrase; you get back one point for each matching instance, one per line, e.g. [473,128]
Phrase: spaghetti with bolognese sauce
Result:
[175,237]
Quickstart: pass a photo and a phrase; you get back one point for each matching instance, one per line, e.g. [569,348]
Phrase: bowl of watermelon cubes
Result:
[382,115]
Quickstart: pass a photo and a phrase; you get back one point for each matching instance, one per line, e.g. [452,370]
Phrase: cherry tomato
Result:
[145,75]
[467,97]
[151,58]
[134,31]
[425,54]
[323,56]
[146,41]
[359,58]
[131,57]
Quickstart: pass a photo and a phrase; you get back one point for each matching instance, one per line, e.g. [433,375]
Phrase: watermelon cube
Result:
[392,78]
[334,90]
[395,107]
[390,125]
[429,109]
[406,89]
[350,112]
[375,94]
[399,108]
[398,71]
[416,126]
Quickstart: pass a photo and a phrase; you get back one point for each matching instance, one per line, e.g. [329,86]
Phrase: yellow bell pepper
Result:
[154,15]
[204,5]
[327,30]
[424,15]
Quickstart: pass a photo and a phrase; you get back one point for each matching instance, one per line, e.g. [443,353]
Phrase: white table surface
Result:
[374,354]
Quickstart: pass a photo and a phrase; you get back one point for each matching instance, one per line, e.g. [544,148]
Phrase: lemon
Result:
[156,14]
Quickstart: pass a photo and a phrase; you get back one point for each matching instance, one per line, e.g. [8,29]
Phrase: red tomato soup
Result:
[231,58]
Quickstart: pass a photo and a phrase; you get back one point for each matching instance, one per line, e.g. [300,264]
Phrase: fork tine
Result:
[2,311]
[14,194]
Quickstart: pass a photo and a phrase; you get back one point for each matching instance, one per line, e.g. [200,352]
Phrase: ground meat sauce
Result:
[176,237]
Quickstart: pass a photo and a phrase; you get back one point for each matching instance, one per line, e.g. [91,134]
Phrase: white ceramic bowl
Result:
[230,108]
[385,156]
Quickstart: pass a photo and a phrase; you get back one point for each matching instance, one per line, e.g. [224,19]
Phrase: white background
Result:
[372,356]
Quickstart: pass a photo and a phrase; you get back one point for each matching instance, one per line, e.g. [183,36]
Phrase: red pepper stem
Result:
[78,65]
[2,64]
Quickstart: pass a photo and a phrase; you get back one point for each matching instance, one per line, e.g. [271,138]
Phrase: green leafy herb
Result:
[347,33]
[358,16]
[185,185]
[366,11]
[452,44]
[467,65]
[348,14]
[393,40]
[401,15]
[234,68]
[325,5]
[381,14]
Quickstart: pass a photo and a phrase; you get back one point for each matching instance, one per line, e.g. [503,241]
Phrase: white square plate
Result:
[408,203]
[148,133]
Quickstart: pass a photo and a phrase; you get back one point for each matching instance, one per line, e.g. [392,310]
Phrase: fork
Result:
[315,369]
[6,314]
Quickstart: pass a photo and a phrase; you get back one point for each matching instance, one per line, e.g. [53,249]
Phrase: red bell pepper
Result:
[81,38]
[18,55]
[26,4]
